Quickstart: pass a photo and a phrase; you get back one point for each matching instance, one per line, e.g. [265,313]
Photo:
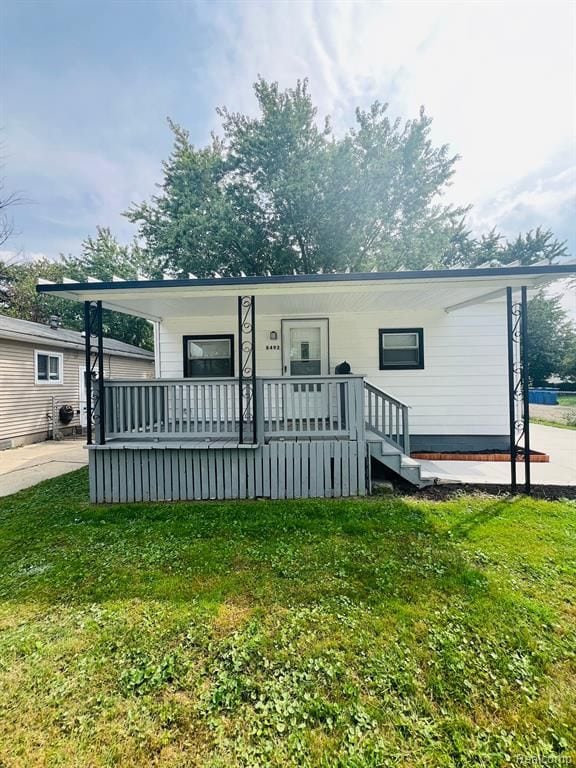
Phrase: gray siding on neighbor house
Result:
[278,470]
[26,407]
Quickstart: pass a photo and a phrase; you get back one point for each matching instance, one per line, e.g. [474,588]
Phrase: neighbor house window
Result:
[49,367]
[208,356]
[401,348]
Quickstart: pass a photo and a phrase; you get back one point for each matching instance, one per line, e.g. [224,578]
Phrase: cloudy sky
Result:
[85,89]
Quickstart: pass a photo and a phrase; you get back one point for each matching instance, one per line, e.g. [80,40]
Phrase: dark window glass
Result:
[305,368]
[402,348]
[208,357]
[42,367]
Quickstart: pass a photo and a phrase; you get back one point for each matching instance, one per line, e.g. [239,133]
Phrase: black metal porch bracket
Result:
[94,370]
[518,384]
[247,429]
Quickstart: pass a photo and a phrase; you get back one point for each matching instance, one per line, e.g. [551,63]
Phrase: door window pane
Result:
[305,346]
[305,343]
[305,368]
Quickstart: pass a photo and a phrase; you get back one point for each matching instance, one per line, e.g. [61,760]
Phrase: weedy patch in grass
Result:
[362,632]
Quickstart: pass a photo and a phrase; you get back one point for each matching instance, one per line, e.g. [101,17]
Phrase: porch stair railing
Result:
[387,417]
[388,436]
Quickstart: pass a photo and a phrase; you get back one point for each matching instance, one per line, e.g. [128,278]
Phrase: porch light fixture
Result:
[273,335]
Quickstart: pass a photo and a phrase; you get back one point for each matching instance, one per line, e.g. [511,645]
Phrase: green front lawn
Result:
[567,400]
[380,632]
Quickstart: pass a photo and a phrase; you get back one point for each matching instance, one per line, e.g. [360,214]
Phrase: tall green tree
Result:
[101,257]
[551,341]
[536,245]
[281,193]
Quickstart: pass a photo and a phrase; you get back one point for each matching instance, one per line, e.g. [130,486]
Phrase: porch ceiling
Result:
[323,294]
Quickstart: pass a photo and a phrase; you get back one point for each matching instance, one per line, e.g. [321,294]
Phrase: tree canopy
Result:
[278,193]
[100,257]
[281,193]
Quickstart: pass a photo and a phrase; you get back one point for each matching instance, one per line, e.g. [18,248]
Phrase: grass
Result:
[567,400]
[548,423]
[349,633]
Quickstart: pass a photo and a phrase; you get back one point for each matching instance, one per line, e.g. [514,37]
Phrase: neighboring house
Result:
[247,401]
[42,379]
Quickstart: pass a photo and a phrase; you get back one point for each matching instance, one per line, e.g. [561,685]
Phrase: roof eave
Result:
[552,271]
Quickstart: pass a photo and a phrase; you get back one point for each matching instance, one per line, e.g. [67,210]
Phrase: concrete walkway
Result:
[23,467]
[559,444]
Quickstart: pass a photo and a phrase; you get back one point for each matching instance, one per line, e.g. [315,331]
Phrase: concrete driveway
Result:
[559,444]
[23,467]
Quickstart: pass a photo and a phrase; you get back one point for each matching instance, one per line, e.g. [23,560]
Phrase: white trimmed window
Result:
[48,367]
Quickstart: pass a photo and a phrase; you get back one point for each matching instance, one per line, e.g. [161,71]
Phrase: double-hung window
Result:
[48,367]
[401,348]
[208,356]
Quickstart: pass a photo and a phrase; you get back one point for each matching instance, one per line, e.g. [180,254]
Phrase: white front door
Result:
[305,347]
[305,353]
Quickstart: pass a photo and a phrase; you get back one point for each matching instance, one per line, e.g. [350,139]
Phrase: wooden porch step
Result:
[391,457]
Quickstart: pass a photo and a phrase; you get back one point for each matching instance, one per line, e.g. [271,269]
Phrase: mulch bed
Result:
[446,492]
[535,456]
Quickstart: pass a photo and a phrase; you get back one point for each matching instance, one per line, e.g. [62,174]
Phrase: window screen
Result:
[401,348]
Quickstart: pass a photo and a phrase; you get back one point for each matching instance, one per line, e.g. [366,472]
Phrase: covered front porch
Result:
[274,411]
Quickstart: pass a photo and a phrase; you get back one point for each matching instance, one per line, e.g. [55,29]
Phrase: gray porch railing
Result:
[309,406]
[387,416]
[315,406]
[164,408]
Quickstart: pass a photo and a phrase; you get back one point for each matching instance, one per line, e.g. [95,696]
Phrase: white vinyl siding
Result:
[462,389]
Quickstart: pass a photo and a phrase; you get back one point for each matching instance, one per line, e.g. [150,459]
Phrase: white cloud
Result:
[498,78]
[15,257]
[547,199]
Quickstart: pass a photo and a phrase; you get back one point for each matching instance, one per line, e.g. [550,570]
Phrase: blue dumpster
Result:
[543,396]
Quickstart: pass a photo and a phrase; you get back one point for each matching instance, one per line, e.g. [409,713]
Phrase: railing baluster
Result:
[142,409]
[219,409]
[291,388]
[268,414]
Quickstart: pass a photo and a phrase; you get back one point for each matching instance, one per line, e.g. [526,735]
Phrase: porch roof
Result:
[447,290]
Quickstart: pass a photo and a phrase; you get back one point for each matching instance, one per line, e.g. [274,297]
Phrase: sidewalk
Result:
[23,467]
[559,444]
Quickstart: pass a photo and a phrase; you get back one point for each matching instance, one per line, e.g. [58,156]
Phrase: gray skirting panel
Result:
[451,443]
[278,470]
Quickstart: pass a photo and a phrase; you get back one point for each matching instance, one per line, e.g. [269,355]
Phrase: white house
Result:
[250,397]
